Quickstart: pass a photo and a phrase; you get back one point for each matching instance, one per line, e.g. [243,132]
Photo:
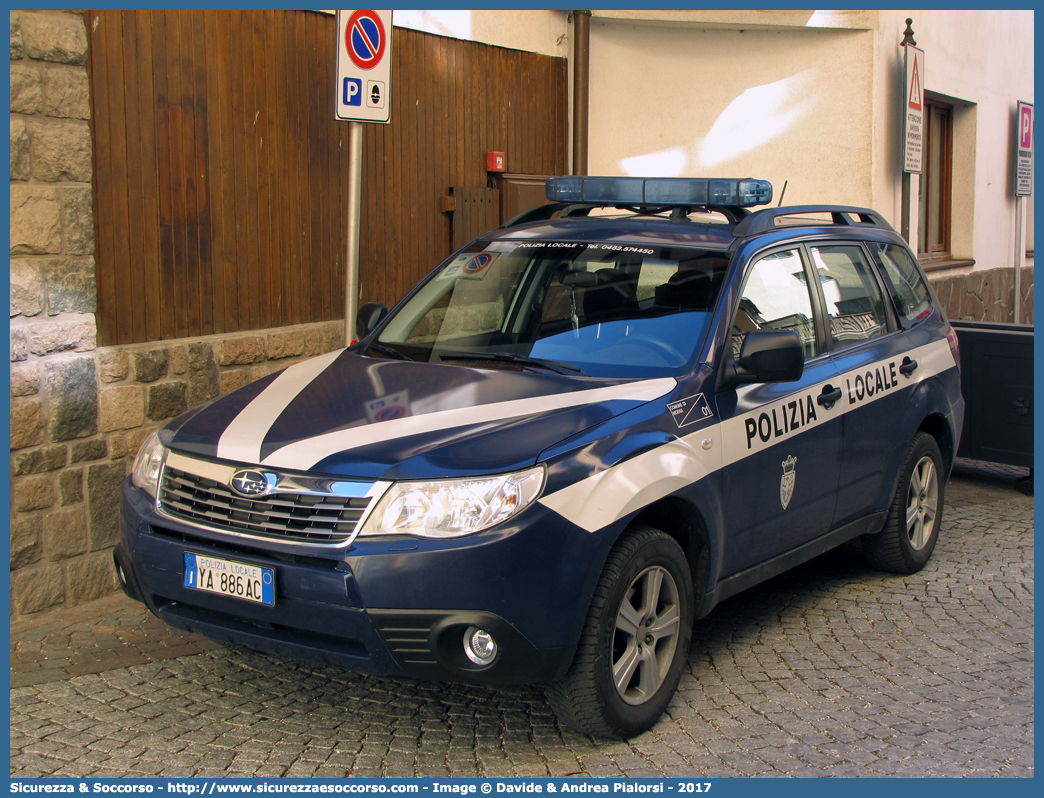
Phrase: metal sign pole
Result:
[1020,254]
[906,198]
[351,263]
[362,93]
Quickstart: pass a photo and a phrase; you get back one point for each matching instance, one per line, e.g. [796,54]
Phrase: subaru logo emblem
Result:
[252,483]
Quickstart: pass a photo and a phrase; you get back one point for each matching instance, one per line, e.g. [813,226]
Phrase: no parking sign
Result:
[364,55]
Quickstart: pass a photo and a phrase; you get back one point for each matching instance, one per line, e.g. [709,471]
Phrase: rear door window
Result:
[855,306]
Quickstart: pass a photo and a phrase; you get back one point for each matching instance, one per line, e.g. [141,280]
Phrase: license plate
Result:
[227,578]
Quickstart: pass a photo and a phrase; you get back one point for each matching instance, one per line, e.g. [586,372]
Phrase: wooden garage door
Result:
[221,175]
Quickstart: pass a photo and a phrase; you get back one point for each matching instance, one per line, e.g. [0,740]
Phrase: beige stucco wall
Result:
[813,98]
[789,104]
[545,32]
[983,62]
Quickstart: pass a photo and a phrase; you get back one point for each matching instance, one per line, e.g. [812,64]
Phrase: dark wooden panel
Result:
[221,174]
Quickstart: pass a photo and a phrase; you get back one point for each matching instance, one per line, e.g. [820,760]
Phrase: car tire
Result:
[645,586]
[912,526]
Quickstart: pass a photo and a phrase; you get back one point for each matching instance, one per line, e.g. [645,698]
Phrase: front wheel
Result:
[635,640]
[912,526]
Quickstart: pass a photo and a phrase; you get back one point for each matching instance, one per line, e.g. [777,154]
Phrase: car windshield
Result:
[603,310]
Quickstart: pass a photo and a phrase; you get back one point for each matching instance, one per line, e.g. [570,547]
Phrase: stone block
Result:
[25,379]
[285,344]
[74,398]
[112,365]
[70,286]
[204,381]
[178,360]
[89,450]
[313,342]
[239,351]
[333,337]
[66,93]
[233,380]
[19,344]
[166,400]
[127,444]
[151,365]
[36,225]
[25,542]
[26,90]
[78,220]
[91,578]
[261,370]
[19,150]
[65,533]
[61,151]
[34,493]
[66,335]
[37,589]
[39,461]
[61,38]
[26,424]
[17,47]
[121,408]
[27,285]
[103,504]
[70,486]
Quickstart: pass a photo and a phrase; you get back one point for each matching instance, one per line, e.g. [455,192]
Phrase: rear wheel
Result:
[912,526]
[635,640]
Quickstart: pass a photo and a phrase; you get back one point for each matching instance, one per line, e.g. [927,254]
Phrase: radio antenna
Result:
[784,191]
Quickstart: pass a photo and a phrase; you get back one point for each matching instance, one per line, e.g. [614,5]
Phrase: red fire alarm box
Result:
[494,162]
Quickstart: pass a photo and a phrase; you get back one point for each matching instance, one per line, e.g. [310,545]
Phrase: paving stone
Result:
[830,669]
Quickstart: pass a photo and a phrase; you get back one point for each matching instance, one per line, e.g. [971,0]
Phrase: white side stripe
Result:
[241,441]
[609,495]
[306,453]
[599,500]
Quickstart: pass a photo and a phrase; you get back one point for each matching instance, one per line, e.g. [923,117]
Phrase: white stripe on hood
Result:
[303,455]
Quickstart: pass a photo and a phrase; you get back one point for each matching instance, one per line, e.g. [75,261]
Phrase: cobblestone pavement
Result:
[831,669]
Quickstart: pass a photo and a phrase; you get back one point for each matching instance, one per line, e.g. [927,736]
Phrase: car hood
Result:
[350,415]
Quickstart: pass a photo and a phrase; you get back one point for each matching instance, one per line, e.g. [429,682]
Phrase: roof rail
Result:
[764,220]
[566,210]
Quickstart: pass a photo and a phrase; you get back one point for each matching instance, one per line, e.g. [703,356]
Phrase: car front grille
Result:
[289,514]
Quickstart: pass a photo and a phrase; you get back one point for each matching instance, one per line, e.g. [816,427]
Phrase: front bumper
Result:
[392,606]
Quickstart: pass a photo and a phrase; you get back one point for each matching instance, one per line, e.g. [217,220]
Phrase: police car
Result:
[570,441]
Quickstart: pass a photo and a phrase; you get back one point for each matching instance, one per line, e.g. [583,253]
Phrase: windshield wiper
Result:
[387,350]
[511,357]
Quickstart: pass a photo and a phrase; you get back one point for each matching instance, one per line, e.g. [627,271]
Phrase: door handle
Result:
[908,366]
[829,396]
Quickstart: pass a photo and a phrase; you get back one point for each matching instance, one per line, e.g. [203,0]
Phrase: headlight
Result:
[450,508]
[147,464]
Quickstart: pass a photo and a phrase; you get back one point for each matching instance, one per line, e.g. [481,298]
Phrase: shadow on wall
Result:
[985,295]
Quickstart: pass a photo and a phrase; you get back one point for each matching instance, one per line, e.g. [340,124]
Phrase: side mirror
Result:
[769,356]
[369,317]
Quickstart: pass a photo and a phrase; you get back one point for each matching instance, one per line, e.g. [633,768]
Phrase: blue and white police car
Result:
[571,440]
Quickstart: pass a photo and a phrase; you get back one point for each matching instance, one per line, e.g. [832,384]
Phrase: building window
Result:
[934,218]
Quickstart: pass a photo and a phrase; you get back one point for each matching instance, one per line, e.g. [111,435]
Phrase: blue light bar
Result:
[741,193]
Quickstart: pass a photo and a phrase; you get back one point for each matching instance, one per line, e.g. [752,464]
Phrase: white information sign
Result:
[364,56]
[1024,149]
[913,110]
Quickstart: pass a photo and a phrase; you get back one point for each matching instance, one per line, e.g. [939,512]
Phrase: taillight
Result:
[955,347]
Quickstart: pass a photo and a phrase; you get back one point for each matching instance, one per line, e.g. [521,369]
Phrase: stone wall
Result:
[985,295]
[79,412]
[77,420]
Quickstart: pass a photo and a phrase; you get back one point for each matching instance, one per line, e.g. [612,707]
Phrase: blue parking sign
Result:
[352,91]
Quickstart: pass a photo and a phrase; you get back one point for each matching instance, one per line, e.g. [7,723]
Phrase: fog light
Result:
[479,645]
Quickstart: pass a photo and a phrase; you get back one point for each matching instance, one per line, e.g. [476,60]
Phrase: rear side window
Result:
[904,281]
[854,303]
